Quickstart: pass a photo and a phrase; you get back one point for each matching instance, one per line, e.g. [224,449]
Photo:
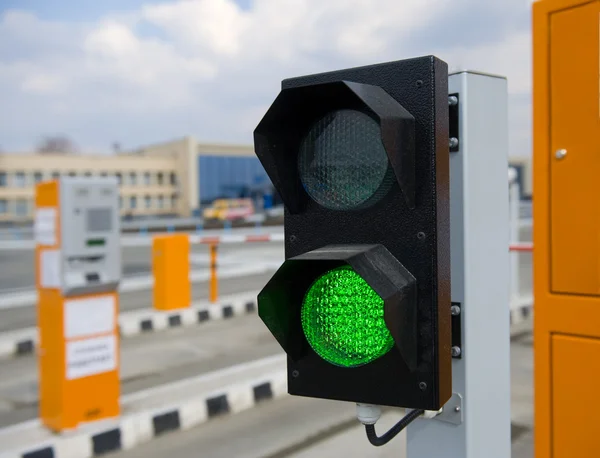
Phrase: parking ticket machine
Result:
[78,270]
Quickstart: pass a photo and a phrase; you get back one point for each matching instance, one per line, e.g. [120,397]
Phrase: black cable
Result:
[394,430]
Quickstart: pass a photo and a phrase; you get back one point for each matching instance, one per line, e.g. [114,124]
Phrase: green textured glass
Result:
[342,162]
[342,319]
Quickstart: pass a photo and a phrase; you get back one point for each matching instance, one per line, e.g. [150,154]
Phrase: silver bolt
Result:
[456,351]
[457,409]
[455,310]
[452,100]
[560,153]
[453,142]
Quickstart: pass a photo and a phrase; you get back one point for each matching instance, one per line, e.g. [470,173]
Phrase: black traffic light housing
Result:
[398,243]
[296,108]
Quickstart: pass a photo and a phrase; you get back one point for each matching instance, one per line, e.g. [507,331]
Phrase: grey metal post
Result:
[480,281]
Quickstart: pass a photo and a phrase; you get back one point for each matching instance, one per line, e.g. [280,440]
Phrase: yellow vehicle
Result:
[229,209]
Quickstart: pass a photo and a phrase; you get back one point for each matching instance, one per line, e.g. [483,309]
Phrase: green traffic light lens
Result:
[342,319]
[342,162]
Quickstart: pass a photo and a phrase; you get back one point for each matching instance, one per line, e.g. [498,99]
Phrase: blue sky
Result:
[143,71]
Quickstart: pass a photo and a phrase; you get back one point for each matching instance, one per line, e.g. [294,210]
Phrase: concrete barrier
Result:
[24,341]
[147,414]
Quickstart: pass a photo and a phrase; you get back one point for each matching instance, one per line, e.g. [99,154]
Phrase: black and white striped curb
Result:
[135,323]
[132,430]
[24,341]
[521,310]
[521,314]
[18,343]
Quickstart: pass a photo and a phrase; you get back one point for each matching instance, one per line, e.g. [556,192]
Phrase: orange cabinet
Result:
[575,376]
[566,233]
[575,149]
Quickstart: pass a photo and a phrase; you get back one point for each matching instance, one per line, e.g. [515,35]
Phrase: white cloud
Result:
[214,26]
[113,40]
[510,58]
[42,84]
[209,68]
[114,52]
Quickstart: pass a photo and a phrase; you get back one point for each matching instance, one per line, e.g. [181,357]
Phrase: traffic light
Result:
[361,305]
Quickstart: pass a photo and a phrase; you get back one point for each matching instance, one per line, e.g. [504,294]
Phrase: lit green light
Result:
[342,319]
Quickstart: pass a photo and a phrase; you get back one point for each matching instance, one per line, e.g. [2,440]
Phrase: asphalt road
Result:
[297,427]
[23,317]
[17,266]
[19,317]
[276,429]
[150,360]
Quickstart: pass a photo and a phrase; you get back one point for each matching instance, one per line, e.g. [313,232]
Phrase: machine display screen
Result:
[99,219]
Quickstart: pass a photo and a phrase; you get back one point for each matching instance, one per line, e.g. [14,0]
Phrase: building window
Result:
[147,179]
[161,201]
[3,181]
[173,179]
[173,201]
[148,201]
[37,176]
[55,175]
[133,178]
[103,174]
[21,207]
[19,180]
[88,174]
[3,206]
[160,178]
[119,178]
[133,202]
[72,174]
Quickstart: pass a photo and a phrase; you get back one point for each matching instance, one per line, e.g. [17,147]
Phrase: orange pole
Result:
[214,282]
[171,270]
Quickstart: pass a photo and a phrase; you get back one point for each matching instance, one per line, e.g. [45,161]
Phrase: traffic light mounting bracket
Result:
[454,128]
[452,412]
[457,348]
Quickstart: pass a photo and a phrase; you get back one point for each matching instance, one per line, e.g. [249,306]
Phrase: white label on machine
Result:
[45,226]
[89,316]
[91,356]
[50,269]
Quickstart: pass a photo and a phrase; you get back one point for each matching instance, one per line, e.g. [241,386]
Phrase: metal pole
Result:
[514,200]
[478,216]
[214,282]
